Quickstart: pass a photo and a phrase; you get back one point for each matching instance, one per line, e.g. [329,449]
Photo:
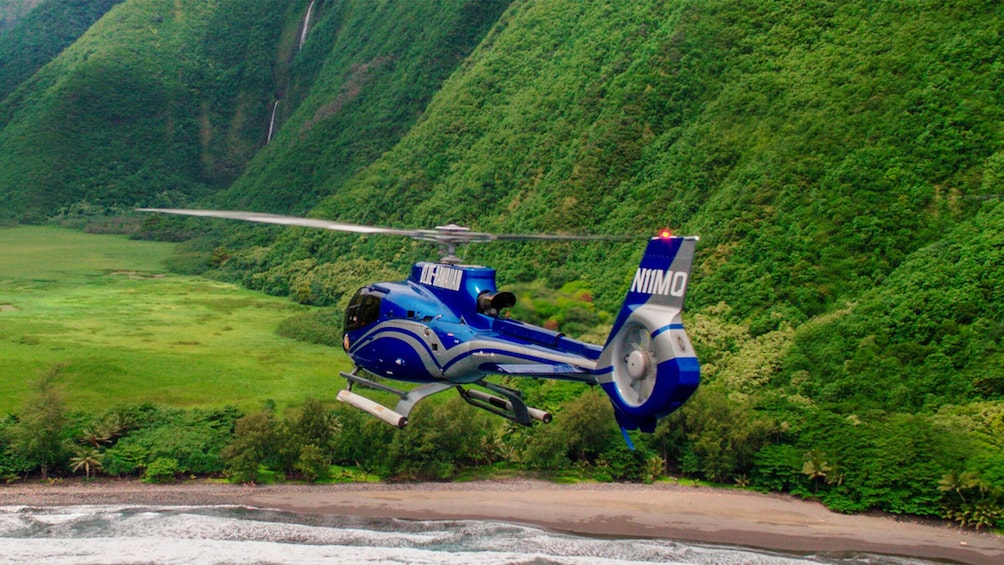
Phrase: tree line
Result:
[904,464]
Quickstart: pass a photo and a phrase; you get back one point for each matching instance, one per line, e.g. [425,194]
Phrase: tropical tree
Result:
[38,436]
[957,482]
[816,467]
[584,429]
[254,441]
[442,439]
[162,470]
[313,463]
[979,504]
[95,436]
[87,458]
[309,424]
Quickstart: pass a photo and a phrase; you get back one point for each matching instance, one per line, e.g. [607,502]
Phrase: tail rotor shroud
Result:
[636,364]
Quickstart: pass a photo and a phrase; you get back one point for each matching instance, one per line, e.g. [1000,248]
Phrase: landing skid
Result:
[510,405]
[409,398]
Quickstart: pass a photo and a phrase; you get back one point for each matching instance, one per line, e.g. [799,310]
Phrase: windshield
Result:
[363,310]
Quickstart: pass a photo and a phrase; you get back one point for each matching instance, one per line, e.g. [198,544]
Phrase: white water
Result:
[271,122]
[306,24]
[233,534]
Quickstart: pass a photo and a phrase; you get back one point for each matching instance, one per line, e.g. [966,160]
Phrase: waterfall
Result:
[271,122]
[306,24]
[303,39]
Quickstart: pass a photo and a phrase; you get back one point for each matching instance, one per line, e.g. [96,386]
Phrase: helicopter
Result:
[442,328]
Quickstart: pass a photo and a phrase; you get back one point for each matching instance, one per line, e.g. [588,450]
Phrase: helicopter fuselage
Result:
[442,324]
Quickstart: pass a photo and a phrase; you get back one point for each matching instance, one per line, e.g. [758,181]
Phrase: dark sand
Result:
[707,515]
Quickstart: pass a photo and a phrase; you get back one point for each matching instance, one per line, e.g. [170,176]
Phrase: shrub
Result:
[125,459]
[162,470]
[313,463]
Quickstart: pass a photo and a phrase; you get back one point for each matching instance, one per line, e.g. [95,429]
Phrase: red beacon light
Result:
[664,233]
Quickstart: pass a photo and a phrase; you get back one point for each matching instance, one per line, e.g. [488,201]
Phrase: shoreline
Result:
[665,511]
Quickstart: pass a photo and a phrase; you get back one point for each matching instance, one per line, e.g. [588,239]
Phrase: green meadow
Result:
[119,329]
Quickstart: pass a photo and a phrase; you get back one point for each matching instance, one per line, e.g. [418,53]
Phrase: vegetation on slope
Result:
[12,11]
[155,103]
[33,39]
[363,77]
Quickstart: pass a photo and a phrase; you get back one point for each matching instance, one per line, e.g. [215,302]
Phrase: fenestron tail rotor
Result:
[448,236]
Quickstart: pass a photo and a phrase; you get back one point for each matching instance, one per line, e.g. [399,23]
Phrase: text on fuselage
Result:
[441,276]
[655,281]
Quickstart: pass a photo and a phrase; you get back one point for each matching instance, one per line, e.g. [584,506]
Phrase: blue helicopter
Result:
[442,329]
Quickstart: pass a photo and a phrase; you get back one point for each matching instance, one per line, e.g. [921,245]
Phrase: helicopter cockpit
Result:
[363,310]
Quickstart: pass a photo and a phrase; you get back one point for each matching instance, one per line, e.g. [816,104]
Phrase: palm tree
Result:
[816,467]
[105,431]
[957,482]
[87,458]
[94,436]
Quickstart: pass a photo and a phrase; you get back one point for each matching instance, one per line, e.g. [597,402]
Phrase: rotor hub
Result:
[637,364]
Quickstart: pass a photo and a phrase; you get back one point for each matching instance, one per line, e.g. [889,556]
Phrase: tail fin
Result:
[648,366]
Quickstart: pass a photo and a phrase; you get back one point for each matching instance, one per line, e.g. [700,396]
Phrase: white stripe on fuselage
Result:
[499,352]
[464,357]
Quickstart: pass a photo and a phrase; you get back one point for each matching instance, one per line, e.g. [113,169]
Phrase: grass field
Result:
[124,331]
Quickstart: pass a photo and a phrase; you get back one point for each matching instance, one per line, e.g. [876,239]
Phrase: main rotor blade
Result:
[448,234]
[284,220]
[558,237]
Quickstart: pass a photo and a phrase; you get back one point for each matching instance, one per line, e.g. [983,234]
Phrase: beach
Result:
[665,510]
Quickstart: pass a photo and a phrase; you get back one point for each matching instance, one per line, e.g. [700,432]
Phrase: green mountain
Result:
[841,161]
[157,102]
[30,40]
[11,11]
[365,74]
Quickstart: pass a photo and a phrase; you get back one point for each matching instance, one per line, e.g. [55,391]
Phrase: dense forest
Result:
[38,35]
[842,162]
[12,11]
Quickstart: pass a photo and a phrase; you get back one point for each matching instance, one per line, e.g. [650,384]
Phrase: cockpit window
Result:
[363,310]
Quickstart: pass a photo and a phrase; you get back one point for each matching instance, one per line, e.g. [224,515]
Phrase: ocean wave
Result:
[244,535]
